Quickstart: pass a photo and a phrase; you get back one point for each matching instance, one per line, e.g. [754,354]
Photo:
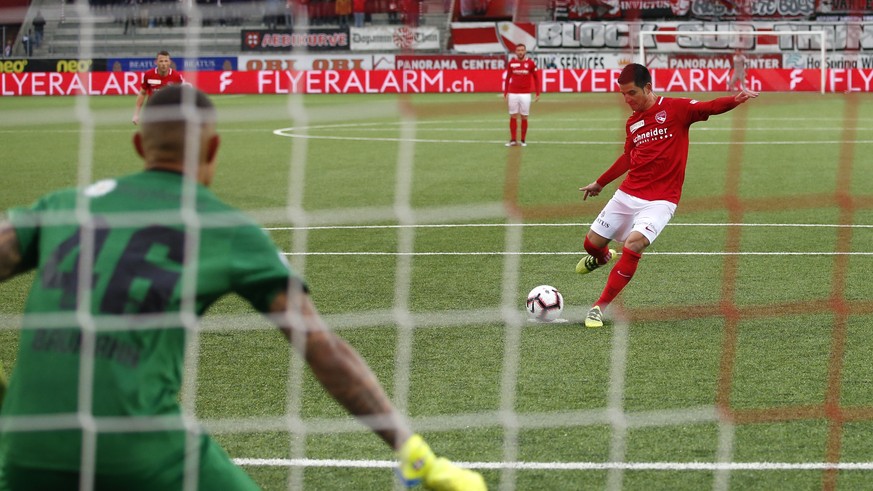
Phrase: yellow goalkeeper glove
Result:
[419,465]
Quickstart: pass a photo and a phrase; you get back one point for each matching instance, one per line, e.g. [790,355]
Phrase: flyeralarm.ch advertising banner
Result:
[431,81]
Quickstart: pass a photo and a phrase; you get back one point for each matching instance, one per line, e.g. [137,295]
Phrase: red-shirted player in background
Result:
[521,78]
[655,155]
[157,78]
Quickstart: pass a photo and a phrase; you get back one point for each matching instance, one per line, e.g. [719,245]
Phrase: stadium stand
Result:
[143,27]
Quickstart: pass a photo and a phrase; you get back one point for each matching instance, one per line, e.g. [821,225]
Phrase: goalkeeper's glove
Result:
[419,465]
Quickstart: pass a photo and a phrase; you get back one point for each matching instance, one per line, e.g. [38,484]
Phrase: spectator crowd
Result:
[274,14]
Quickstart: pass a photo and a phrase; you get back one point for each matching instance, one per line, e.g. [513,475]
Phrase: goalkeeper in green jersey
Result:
[93,397]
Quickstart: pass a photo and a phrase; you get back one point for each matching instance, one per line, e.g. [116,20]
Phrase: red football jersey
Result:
[521,77]
[151,80]
[656,147]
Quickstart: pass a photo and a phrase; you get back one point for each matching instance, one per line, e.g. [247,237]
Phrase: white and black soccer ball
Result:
[545,303]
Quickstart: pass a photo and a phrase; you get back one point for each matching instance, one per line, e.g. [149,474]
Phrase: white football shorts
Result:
[625,213]
[519,103]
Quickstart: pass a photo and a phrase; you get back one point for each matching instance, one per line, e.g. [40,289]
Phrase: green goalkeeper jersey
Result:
[148,272]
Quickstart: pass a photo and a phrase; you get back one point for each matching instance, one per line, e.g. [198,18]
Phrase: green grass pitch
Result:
[776,222]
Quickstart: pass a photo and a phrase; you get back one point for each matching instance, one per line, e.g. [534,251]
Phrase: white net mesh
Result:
[420,236]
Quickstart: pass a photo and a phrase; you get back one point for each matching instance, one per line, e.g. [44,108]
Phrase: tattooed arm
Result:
[338,367]
[346,377]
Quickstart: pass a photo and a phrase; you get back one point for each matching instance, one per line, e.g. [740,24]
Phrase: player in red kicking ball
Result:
[654,158]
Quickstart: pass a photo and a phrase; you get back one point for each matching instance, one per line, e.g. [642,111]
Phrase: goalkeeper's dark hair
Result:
[179,103]
[636,73]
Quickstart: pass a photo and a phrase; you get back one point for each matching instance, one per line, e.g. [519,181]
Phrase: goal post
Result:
[822,36]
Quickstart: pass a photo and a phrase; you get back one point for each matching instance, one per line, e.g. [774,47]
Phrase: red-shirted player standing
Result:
[157,78]
[655,155]
[521,78]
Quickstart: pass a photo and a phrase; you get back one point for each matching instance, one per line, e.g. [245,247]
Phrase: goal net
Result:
[737,357]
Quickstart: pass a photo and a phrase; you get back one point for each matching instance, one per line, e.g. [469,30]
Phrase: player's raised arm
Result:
[338,367]
[721,105]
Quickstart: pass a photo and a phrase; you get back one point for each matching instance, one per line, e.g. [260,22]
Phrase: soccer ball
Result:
[545,303]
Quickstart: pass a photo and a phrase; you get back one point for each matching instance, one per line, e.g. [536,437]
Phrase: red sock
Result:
[513,125]
[523,129]
[619,277]
[599,254]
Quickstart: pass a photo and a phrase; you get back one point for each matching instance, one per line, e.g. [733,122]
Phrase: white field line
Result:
[620,120]
[381,127]
[503,225]
[288,134]
[576,466]
[285,133]
[545,253]
[574,253]
[306,133]
[598,129]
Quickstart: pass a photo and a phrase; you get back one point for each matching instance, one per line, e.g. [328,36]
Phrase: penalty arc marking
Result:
[302,132]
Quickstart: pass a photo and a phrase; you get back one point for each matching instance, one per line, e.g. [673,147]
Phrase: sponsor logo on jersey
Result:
[639,124]
[652,134]
[520,67]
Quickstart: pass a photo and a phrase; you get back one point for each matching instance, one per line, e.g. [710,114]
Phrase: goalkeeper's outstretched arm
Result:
[348,378]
